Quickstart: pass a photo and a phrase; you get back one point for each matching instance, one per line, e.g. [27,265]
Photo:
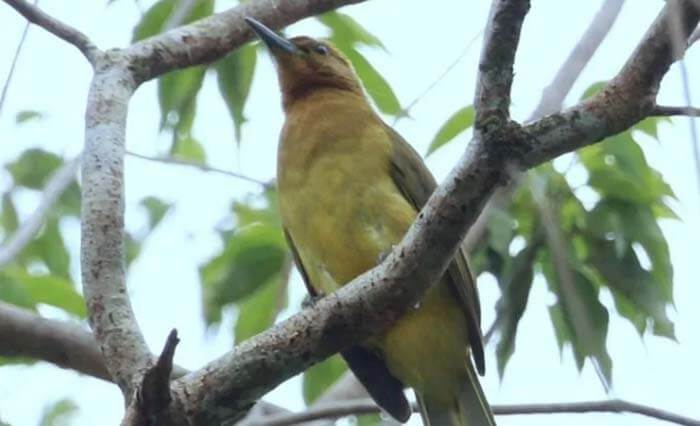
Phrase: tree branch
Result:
[13,65]
[57,28]
[202,167]
[213,37]
[25,334]
[552,99]
[65,344]
[553,95]
[367,406]
[54,188]
[667,111]
[111,317]
[492,97]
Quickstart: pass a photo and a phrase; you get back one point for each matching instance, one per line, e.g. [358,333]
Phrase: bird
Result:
[349,187]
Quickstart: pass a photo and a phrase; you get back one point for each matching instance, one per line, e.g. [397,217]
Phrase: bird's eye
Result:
[321,49]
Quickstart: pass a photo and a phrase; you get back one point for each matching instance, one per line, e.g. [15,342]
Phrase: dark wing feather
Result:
[370,370]
[300,266]
[416,183]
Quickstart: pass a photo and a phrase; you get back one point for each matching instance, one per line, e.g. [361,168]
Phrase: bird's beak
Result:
[273,41]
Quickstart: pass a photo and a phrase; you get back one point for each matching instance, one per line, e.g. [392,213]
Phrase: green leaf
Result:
[189,149]
[637,296]
[156,17]
[459,122]
[593,89]
[259,311]
[49,248]
[13,292]
[321,376]
[132,248]
[153,20]
[251,258]
[156,210]
[34,167]
[376,86]
[650,126]
[248,214]
[69,202]
[515,289]
[370,420]
[9,214]
[235,76]
[176,90]
[25,116]
[617,168]
[500,227]
[177,93]
[346,31]
[59,413]
[578,316]
[49,289]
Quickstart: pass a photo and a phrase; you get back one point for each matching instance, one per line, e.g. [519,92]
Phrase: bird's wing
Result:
[416,183]
[369,368]
[300,266]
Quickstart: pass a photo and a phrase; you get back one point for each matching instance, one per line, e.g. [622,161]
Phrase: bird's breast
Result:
[337,198]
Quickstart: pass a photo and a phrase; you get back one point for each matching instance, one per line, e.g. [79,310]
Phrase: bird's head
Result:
[305,64]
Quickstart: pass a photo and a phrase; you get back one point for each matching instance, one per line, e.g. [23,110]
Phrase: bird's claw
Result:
[310,300]
[383,255]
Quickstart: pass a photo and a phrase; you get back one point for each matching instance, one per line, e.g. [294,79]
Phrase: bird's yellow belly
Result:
[342,233]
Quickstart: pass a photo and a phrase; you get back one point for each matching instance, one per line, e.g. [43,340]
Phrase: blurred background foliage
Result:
[587,222]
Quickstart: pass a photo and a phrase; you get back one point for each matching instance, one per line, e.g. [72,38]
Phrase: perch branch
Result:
[366,406]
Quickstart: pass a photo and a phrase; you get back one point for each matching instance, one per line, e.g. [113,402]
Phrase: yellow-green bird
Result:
[349,188]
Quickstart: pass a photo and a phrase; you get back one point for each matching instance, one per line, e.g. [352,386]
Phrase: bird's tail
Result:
[468,408]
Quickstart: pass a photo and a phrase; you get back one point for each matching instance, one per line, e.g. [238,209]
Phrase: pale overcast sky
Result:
[422,38]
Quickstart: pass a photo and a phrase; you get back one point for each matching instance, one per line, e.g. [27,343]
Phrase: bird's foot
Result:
[383,255]
[311,300]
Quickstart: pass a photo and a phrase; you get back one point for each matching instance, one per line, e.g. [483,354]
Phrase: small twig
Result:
[679,39]
[554,94]
[57,28]
[56,185]
[432,85]
[667,111]
[22,38]
[367,406]
[203,167]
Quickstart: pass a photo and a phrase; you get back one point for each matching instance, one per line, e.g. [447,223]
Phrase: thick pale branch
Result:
[367,406]
[55,187]
[495,76]
[213,37]
[111,317]
[25,334]
[57,28]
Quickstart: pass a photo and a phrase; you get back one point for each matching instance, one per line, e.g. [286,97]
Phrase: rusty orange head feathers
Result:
[305,64]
